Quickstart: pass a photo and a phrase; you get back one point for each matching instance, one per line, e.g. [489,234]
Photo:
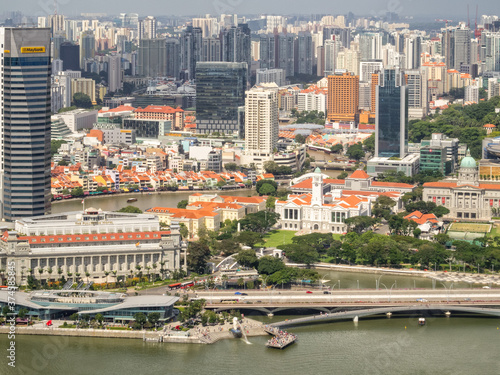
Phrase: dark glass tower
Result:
[220,90]
[25,122]
[70,55]
[391,124]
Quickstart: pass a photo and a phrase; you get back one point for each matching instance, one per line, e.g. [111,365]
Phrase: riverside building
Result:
[92,242]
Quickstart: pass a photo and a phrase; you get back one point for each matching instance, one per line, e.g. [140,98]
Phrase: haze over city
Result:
[426,8]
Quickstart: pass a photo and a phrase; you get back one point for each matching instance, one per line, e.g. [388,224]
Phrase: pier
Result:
[281,339]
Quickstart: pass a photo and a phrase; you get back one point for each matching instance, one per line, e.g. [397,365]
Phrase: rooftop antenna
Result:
[55,7]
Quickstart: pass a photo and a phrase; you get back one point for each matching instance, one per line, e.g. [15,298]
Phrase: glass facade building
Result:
[391,124]
[220,91]
[25,124]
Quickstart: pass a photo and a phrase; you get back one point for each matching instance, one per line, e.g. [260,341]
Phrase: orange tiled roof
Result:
[360,174]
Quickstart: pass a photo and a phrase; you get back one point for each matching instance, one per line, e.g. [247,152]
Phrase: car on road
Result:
[309,292]
[244,294]
[422,300]
[327,292]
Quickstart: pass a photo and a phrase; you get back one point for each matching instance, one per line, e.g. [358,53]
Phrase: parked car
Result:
[309,292]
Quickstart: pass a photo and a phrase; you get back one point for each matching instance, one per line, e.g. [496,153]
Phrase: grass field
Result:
[277,237]
[470,227]
[280,237]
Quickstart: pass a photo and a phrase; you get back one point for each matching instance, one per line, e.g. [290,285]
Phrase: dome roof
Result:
[468,161]
[317,170]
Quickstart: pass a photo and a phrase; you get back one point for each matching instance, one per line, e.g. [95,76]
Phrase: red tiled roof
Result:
[420,218]
[108,237]
[392,184]
[360,174]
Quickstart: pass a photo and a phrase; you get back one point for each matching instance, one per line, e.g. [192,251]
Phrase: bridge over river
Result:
[346,304]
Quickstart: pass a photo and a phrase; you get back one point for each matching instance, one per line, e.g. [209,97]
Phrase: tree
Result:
[231,167]
[440,211]
[140,318]
[355,151]
[267,189]
[343,175]
[262,182]
[248,238]
[383,207]
[338,148]
[22,312]
[300,253]
[359,224]
[77,192]
[269,265]
[271,203]
[153,317]
[442,238]
[63,163]
[82,100]
[99,318]
[54,145]
[259,222]
[182,204]
[130,210]
[198,255]
[246,258]
[183,231]
[299,138]
[369,144]
[228,247]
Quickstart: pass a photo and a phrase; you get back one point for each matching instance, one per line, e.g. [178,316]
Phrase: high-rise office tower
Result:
[237,45]
[130,20]
[331,50]
[152,58]
[146,28]
[191,51]
[456,43]
[25,122]
[87,47]
[304,53]
[285,53]
[391,121]
[70,55]
[261,121]
[56,24]
[343,97]
[57,40]
[491,50]
[220,91]
[173,62]
[370,46]
[413,50]
[211,49]
[416,86]
[114,73]
[267,51]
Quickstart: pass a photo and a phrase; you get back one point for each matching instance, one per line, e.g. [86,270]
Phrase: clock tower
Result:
[317,188]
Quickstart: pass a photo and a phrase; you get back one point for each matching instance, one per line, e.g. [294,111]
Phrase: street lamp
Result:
[448,291]
[377,282]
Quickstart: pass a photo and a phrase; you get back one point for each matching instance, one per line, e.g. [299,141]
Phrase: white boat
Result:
[421,321]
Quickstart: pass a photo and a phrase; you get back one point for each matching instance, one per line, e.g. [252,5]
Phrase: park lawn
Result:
[469,227]
[280,237]
[277,237]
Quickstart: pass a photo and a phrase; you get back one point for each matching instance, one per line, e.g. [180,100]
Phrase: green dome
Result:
[317,170]
[468,161]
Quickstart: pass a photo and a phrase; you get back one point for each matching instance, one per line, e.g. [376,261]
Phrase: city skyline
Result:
[361,8]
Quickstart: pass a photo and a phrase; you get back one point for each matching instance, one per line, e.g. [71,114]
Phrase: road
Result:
[352,296]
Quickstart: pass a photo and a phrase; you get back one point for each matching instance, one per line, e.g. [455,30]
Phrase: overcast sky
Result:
[433,8]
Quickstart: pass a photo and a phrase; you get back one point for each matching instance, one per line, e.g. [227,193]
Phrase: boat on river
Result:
[131,200]
[421,321]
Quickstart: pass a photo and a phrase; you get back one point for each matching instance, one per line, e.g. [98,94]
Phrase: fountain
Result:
[238,331]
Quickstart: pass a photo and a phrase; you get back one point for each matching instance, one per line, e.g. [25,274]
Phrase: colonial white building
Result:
[92,242]
[466,198]
[316,212]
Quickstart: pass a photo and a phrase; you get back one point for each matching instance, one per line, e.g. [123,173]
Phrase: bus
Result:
[187,284]
[174,286]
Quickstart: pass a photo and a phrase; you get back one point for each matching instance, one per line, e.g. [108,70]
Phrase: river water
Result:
[144,200]
[381,346]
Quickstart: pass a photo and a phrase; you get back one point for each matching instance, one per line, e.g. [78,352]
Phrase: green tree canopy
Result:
[82,100]
[130,210]
[269,265]
[198,255]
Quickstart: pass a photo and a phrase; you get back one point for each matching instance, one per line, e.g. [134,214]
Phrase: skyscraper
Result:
[70,55]
[173,61]
[220,91]
[191,51]
[25,124]
[147,28]
[152,58]
[304,53]
[114,73]
[391,121]
[261,121]
[87,47]
[267,51]
[343,97]
[237,45]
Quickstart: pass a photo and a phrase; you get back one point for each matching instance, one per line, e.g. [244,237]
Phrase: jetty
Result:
[281,339]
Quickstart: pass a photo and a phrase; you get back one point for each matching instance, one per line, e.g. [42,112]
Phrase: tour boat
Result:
[130,200]
[421,321]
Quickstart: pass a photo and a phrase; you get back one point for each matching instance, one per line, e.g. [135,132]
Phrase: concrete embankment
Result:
[362,269]
[52,331]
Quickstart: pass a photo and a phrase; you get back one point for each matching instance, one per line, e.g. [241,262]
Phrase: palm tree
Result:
[106,273]
[149,269]
[161,269]
[114,274]
[69,274]
[87,274]
[139,273]
[60,271]
[77,274]
[40,271]
[154,268]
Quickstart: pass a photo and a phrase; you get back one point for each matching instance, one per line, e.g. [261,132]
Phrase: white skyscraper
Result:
[114,73]
[261,121]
